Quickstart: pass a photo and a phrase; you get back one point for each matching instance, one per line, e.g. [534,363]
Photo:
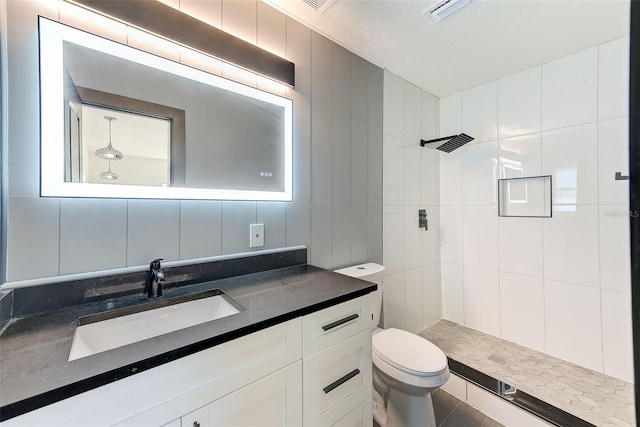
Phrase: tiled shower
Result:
[558,285]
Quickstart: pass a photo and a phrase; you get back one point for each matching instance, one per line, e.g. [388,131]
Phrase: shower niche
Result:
[525,197]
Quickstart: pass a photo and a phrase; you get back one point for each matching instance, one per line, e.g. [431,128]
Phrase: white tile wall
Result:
[615,252]
[613,79]
[480,112]
[450,117]
[451,236]
[393,238]
[613,156]
[412,166]
[570,90]
[616,334]
[571,246]
[560,284]
[412,238]
[480,236]
[429,239]
[393,106]
[482,300]
[450,184]
[479,174]
[570,155]
[452,284]
[393,301]
[392,170]
[519,103]
[521,246]
[412,113]
[429,128]
[575,333]
[522,310]
[414,300]
[520,156]
[429,177]
[431,294]
[411,288]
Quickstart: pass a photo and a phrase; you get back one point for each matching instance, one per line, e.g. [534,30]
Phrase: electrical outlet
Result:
[256,233]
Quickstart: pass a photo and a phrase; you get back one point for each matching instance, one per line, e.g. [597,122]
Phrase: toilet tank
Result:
[370,272]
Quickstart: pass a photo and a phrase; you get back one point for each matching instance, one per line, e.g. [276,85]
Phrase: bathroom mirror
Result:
[122,123]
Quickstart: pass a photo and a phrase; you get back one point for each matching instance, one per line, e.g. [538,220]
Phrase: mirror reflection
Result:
[131,119]
[140,156]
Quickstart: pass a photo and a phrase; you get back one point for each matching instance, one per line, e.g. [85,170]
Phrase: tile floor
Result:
[451,412]
[592,396]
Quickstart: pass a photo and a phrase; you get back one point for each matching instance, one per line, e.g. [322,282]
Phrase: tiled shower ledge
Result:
[596,398]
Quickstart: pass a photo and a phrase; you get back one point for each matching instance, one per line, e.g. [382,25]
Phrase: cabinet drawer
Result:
[337,380]
[360,417]
[194,381]
[327,327]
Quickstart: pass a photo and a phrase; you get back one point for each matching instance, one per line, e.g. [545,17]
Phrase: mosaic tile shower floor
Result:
[596,398]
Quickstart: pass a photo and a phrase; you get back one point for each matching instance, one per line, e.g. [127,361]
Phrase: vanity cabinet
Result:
[313,371]
[275,400]
[337,377]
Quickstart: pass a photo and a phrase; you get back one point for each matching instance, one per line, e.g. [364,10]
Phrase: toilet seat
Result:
[394,349]
[409,353]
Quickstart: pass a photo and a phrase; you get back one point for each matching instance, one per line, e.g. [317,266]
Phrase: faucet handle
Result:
[155,264]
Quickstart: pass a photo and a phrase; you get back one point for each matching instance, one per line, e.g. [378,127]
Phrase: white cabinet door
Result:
[275,400]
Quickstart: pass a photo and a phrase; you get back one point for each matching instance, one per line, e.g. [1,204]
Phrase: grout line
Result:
[544,286]
[59,234]
[597,173]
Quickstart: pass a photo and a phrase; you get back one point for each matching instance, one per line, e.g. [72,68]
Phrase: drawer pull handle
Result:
[341,381]
[340,322]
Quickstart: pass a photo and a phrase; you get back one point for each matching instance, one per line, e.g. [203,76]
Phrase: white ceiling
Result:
[483,41]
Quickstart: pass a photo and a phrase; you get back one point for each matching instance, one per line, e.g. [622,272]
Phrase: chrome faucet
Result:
[155,278]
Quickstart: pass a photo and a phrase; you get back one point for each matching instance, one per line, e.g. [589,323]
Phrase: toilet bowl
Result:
[406,367]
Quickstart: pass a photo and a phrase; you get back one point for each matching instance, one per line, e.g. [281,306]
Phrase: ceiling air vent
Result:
[441,9]
[320,5]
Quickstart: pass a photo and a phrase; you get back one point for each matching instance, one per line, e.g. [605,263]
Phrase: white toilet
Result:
[406,367]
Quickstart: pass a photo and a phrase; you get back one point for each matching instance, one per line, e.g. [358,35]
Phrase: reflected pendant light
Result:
[109,175]
[108,152]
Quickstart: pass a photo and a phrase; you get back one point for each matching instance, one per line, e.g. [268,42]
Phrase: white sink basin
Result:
[108,334]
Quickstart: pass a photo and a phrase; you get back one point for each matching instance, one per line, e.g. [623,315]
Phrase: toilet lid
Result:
[409,352]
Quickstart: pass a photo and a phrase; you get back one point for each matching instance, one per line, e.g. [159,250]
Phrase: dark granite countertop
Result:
[34,370]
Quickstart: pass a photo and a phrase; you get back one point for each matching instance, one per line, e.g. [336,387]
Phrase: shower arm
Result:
[431,141]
